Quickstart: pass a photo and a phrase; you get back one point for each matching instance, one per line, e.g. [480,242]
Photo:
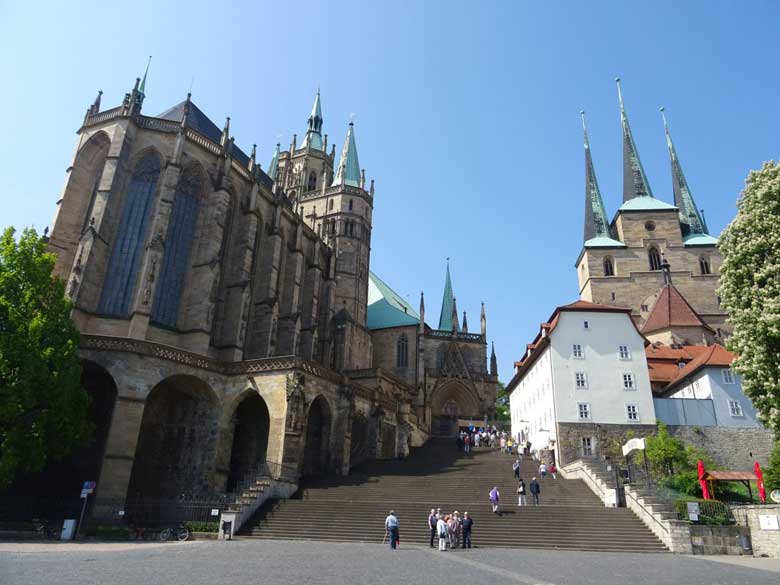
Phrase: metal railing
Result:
[156,512]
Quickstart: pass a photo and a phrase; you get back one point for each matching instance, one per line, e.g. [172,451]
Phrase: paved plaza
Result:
[300,562]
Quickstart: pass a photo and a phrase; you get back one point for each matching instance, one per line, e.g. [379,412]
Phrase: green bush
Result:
[108,532]
[202,526]
[711,512]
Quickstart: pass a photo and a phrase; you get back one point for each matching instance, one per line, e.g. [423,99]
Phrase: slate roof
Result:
[635,183]
[596,223]
[670,310]
[348,170]
[386,308]
[447,302]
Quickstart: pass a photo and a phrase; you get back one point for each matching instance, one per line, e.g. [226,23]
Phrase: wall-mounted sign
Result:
[768,522]
[693,511]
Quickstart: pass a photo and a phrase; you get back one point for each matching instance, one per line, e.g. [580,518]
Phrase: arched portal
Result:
[177,442]
[251,423]
[358,439]
[316,450]
[450,402]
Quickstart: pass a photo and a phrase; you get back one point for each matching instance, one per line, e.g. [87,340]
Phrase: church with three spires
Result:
[230,324]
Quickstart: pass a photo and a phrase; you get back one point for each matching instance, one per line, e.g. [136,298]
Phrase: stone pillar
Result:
[295,427]
[342,429]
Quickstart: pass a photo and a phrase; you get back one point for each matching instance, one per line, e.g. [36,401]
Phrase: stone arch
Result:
[609,266]
[177,442]
[250,425]
[316,450]
[452,401]
[654,258]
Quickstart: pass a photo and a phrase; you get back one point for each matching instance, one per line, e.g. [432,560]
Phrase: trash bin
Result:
[68,529]
[743,540]
[227,530]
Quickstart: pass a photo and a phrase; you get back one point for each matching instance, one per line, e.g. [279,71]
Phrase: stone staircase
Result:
[436,475]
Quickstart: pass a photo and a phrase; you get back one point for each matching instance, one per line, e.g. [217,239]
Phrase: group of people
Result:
[471,437]
[533,488]
[452,530]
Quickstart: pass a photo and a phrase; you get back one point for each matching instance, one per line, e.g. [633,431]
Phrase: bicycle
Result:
[44,530]
[180,533]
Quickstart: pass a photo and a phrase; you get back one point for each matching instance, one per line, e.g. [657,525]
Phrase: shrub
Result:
[202,526]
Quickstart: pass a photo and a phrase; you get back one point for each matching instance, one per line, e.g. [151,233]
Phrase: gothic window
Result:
[704,265]
[402,352]
[609,267]
[349,228]
[312,181]
[126,255]
[178,244]
[654,258]
[440,354]
[330,205]
[350,204]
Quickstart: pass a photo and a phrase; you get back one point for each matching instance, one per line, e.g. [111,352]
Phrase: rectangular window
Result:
[628,382]
[625,353]
[576,351]
[735,408]
[584,410]
[632,413]
[728,376]
[587,446]
[580,380]
[585,325]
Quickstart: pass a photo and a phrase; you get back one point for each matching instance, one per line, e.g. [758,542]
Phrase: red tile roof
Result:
[713,355]
[663,360]
[671,309]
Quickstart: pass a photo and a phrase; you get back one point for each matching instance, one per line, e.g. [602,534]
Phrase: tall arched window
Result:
[704,265]
[178,243]
[654,258]
[125,261]
[312,181]
[402,352]
[609,267]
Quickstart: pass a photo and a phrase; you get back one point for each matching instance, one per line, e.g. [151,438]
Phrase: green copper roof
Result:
[273,168]
[700,240]
[690,219]
[447,304]
[386,308]
[142,87]
[635,183]
[348,172]
[645,203]
[603,242]
[313,138]
[596,224]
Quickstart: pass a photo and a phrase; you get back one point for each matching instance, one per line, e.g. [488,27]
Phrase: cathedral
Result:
[230,321]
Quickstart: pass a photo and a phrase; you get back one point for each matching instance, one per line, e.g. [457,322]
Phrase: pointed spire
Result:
[348,171]
[422,311]
[253,158]
[465,327]
[313,138]
[225,133]
[273,168]
[493,360]
[454,318]
[483,321]
[635,183]
[691,220]
[96,105]
[142,87]
[596,223]
[446,320]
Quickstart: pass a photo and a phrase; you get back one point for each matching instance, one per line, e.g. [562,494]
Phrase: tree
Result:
[750,290]
[666,454]
[43,408]
[502,403]
[772,473]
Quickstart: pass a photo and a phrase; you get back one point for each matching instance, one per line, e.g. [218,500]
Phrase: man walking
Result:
[433,519]
[466,524]
[391,528]
[535,491]
[521,493]
[516,469]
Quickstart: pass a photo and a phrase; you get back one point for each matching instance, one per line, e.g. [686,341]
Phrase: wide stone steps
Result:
[353,508]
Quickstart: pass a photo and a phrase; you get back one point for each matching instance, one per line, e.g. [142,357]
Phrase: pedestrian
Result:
[521,493]
[452,529]
[467,443]
[441,529]
[495,496]
[516,469]
[553,470]
[502,442]
[391,528]
[432,520]
[476,439]
[467,525]
[535,491]
[543,469]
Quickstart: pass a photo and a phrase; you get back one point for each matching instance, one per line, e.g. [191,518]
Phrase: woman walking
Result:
[441,529]
[494,499]
[521,493]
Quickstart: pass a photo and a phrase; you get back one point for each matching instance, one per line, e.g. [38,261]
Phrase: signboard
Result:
[768,522]
[693,511]
[610,498]
[633,445]
[215,511]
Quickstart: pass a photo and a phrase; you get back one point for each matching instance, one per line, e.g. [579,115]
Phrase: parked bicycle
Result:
[180,533]
[45,530]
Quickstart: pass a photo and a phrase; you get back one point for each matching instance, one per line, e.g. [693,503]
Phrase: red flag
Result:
[705,493]
[760,482]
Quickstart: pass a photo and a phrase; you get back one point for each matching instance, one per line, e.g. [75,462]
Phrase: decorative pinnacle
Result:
[620,94]
[663,115]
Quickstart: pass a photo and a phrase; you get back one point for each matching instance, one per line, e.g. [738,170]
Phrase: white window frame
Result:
[587,448]
[588,413]
[629,408]
[628,376]
[728,376]
[584,385]
[624,352]
[735,409]
[577,348]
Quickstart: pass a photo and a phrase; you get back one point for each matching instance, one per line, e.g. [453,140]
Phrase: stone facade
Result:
[766,543]
[736,449]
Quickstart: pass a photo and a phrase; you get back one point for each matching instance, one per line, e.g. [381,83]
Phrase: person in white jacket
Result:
[443,532]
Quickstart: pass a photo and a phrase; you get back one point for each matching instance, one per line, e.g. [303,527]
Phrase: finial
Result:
[620,93]
[142,88]
[663,115]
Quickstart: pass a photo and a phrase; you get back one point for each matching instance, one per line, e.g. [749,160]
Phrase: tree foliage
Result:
[750,290]
[772,473]
[502,403]
[43,408]
[665,453]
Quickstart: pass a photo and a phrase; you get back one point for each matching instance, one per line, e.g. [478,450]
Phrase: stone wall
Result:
[717,540]
[605,439]
[734,448]
[675,534]
[766,543]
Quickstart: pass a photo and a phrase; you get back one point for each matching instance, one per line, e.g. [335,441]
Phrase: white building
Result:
[585,369]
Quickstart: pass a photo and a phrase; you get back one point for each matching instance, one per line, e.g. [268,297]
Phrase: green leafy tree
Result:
[502,403]
[772,473]
[665,453]
[43,408]
[750,290]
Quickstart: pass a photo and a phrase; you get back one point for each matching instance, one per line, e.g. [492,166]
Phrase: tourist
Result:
[467,443]
[502,442]
[553,470]
[452,529]
[476,439]
[535,491]
[521,493]
[466,526]
[432,520]
[391,528]
[441,529]
[516,468]
[509,446]
[543,469]
[495,496]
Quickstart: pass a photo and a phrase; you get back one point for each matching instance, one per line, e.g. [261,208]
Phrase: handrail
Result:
[648,512]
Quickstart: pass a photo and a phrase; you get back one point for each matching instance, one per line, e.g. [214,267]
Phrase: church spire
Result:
[690,218]
[493,360]
[596,223]
[313,138]
[142,87]
[448,322]
[635,183]
[348,171]
[273,168]
[465,327]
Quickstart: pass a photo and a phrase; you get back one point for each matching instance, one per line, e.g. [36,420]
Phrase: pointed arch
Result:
[402,351]
[704,265]
[178,246]
[609,266]
[312,184]
[654,258]
[126,254]
[317,447]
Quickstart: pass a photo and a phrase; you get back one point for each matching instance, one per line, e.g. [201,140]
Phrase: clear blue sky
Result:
[467,115]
